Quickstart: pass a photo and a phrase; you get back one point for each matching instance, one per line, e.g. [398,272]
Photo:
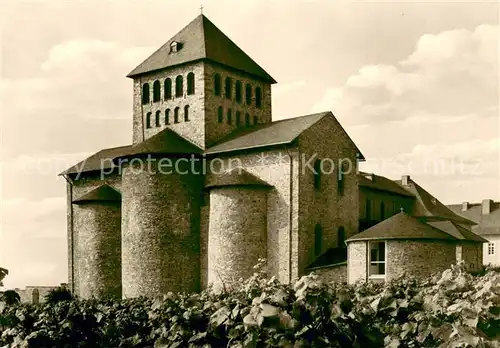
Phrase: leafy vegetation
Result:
[3,274]
[453,309]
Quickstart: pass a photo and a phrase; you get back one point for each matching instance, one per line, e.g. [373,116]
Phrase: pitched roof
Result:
[201,39]
[381,183]
[332,256]
[98,161]
[234,177]
[401,226]
[103,193]
[165,142]
[457,231]
[487,224]
[280,132]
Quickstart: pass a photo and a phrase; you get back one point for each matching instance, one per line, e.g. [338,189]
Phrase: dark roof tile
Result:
[234,177]
[103,193]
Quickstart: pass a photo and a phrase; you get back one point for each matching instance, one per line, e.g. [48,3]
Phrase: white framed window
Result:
[491,248]
[377,257]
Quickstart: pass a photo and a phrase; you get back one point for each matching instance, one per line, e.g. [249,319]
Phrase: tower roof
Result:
[201,40]
[234,177]
[103,193]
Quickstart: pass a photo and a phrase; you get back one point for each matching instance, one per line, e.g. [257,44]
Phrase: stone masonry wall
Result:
[213,129]
[336,273]
[237,235]
[194,129]
[357,261]
[160,230]
[392,203]
[325,206]
[472,254]
[97,258]
[419,258]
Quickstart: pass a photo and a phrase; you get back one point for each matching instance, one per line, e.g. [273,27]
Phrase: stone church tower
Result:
[210,183]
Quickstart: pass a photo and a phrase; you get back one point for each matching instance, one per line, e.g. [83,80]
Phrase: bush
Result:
[452,310]
[57,295]
[10,297]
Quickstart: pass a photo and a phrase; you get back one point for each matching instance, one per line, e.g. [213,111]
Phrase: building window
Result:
[167,86]
[220,114]
[237,91]
[340,181]
[178,86]
[174,47]
[341,237]
[258,97]
[157,118]
[238,118]
[377,259]
[318,239]
[248,94]
[228,87]
[148,120]
[382,211]
[167,116]
[255,120]
[317,174]
[247,120]
[156,91]
[217,84]
[190,82]
[186,113]
[176,115]
[368,210]
[145,93]
[491,248]
[229,116]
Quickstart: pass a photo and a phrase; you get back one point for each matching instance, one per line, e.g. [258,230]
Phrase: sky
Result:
[415,85]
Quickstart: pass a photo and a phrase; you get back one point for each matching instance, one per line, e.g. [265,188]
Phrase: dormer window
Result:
[175,46]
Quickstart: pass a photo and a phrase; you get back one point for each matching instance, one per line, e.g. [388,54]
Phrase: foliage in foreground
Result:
[454,309]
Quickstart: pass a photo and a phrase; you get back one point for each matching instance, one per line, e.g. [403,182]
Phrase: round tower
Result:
[97,242]
[237,235]
[161,217]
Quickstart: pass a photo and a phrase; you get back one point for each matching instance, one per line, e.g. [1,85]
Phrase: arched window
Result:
[229,116]
[237,91]
[186,113]
[148,120]
[167,89]
[247,119]
[217,84]
[255,120]
[382,211]
[340,181]
[248,94]
[228,87]
[238,118]
[156,91]
[176,115]
[35,296]
[220,115]
[190,87]
[145,93]
[157,118]
[258,97]
[178,86]
[167,116]
[341,237]
[318,239]
[317,174]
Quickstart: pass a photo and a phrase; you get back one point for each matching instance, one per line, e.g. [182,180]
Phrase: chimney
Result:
[487,203]
[405,180]
[465,206]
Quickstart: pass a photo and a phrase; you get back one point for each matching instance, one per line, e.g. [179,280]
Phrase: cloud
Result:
[450,74]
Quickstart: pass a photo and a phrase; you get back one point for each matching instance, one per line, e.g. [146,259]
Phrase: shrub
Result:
[57,295]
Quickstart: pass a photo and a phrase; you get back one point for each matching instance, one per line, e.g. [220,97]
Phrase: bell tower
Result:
[201,85]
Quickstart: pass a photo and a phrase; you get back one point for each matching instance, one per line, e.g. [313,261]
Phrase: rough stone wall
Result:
[335,273]
[472,254]
[418,258]
[28,295]
[237,235]
[392,203]
[97,256]
[194,129]
[214,130]
[160,230]
[325,206]
[275,168]
[81,185]
[357,265]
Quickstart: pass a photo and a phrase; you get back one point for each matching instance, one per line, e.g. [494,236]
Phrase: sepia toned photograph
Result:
[249,173]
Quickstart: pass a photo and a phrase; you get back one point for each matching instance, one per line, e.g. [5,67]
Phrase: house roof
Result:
[280,132]
[381,183]
[402,226]
[165,142]
[487,224]
[98,161]
[234,177]
[201,40]
[456,231]
[332,256]
[103,193]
